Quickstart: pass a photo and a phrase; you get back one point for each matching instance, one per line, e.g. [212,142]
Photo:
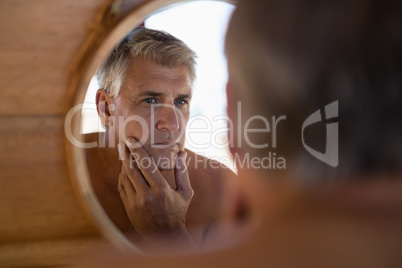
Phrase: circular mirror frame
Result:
[100,42]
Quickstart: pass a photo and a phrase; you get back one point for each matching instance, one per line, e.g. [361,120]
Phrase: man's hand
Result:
[156,211]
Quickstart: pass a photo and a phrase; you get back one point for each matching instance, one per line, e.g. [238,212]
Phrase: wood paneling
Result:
[38,41]
[41,219]
[37,200]
[50,252]
[42,222]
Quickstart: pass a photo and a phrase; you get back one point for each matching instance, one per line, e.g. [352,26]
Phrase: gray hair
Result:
[142,43]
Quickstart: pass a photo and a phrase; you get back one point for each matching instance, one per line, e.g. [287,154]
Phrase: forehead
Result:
[147,75]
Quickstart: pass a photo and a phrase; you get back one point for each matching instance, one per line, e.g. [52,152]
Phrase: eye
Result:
[150,100]
[181,101]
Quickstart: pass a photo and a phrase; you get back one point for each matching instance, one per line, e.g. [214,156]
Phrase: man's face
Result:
[154,103]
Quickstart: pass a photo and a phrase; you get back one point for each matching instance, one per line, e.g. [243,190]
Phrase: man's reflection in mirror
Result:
[161,195]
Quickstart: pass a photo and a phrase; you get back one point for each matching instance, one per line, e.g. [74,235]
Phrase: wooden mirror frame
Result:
[104,34]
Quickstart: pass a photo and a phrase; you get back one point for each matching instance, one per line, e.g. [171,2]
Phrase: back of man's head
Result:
[294,57]
[143,44]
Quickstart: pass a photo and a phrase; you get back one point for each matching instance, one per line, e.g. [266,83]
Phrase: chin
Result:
[165,159]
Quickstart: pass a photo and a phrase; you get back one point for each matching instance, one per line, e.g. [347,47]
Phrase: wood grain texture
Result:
[50,252]
[42,222]
[38,40]
[37,200]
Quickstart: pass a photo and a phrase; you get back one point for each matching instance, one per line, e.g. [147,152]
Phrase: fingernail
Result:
[130,140]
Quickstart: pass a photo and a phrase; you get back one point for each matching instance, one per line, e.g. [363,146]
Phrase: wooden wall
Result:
[41,220]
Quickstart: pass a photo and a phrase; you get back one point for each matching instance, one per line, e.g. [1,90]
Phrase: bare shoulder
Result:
[98,155]
[93,137]
[206,166]
[215,193]
[212,176]
[92,153]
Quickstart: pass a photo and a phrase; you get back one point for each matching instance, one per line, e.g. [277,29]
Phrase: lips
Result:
[166,144]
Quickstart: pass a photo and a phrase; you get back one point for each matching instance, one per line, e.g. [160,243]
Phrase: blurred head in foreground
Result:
[322,81]
[287,60]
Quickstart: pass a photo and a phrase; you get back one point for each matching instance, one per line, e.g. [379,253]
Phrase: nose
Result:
[167,119]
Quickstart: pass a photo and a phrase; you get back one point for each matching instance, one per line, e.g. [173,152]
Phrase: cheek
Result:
[185,119]
[134,124]
[183,127]
[135,129]
[138,127]
[183,131]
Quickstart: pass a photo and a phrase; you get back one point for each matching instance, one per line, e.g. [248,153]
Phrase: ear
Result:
[231,101]
[103,102]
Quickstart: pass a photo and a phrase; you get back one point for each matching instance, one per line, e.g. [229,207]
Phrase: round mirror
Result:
[111,186]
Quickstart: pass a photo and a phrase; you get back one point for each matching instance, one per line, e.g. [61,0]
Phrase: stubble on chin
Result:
[164,159]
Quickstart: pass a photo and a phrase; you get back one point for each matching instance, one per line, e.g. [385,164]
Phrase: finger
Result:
[124,177]
[121,189]
[129,167]
[147,166]
[182,178]
[126,189]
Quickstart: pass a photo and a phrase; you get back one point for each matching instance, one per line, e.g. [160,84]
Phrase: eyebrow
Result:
[149,93]
[184,96]
[158,94]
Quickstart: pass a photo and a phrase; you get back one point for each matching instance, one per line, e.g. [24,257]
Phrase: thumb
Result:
[182,178]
